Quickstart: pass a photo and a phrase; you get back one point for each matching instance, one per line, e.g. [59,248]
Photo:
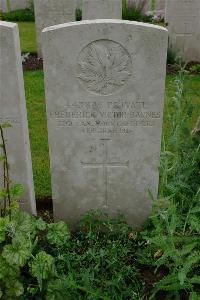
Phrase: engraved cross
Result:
[105,164]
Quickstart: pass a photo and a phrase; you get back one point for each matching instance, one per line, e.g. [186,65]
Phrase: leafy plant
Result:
[171,57]
[20,15]
[134,10]
[173,239]
[195,69]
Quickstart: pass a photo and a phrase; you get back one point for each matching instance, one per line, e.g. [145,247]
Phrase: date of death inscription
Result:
[105,118]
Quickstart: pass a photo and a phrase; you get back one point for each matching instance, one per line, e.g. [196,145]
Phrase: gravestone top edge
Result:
[8,24]
[104,21]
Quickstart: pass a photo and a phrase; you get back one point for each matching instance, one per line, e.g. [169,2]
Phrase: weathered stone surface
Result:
[79,4]
[19,4]
[101,9]
[5,6]
[105,84]
[13,111]
[52,12]
[183,19]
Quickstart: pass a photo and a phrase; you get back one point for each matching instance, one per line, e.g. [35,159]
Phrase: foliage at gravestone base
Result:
[195,69]
[20,15]
[47,261]
[135,11]
[106,259]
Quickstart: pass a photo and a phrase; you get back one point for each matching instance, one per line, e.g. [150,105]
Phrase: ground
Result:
[28,37]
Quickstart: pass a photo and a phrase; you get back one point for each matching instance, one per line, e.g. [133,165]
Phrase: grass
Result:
[34,87]
[28,37]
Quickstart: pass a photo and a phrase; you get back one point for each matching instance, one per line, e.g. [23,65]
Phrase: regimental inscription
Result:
[105,164]
[104,66]
[110,118]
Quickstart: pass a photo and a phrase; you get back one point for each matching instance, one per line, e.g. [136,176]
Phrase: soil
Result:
[34,63]
[173,69]
[45,209]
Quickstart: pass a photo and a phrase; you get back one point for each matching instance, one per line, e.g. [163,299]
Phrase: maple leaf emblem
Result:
[104,66]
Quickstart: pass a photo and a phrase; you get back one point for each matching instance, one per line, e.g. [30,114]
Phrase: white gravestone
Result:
[52,12]
[79,4]
[19,4]
[105,83]
[101,9]
[3,6]
[6,5]
[13,111]
[183,19]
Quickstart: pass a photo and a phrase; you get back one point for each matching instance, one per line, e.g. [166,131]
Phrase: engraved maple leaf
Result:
[103,68]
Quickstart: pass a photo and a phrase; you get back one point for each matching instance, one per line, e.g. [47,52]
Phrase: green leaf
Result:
[22,226]
[42,267]
[40,224]
[16,191]
[7,271]
[195,210]
[3,226]
[182,276]
[194,223]
[195,279]
[17,253]
[194,296]
[2,157]
[3,193]
[58,233]
[15,288]
[5,125]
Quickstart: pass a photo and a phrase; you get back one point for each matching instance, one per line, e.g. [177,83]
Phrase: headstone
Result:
[19,4]
[101,9]
[105,83]
[183,19]
[13,111]
[3,6]
[6,5]
[79,4]
[52,12]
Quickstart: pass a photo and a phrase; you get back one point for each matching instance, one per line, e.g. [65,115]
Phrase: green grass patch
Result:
[34,86]
[28,37]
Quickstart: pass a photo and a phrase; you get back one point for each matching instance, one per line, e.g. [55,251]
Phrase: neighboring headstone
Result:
[154,5]
[13,111]
[79,4]
[101,9]
[52,12]
[3,6]
[183,19]
[19,4]
[105,82]
[147,6]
